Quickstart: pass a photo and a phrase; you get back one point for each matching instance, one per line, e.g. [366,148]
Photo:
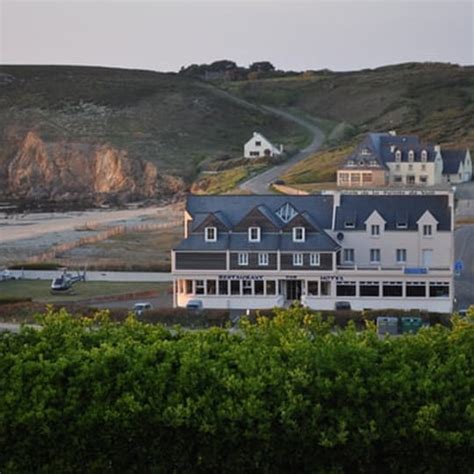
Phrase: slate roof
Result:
[378,147]
[313,241]
[197,242]
[451,160]
[393,208]
[236,208]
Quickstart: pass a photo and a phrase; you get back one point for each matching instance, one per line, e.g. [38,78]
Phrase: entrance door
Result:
[293,290]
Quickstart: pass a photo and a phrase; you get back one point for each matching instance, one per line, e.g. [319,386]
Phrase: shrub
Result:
[282,395]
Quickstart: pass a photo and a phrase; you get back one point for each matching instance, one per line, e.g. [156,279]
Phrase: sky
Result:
[293,35]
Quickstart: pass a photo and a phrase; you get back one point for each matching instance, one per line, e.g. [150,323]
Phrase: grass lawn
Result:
[39,290]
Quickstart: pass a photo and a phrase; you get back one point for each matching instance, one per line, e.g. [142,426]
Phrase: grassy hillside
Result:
[174,121]
[435,101]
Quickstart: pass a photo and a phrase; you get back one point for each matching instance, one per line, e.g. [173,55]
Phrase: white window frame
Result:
[209,230]
[375,230]
[374,252]
[411,156]
[263,259]
[398,156]
[298,259]
[344,255]
[427,230]
[243,259]
[256,239]
[424,156]
[399,252]
[315,259]
[303,234]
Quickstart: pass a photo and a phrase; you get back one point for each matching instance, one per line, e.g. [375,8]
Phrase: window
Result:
[415,289]
[374,255]
[243,259]
[365,151]
[211,287]
[411,156]
[314,259]
[298,259]
[199,287]
[402,224]
[424,156]
[369,288]
[210,234]
[373,163]
[344,177]
[401,255]
[410,180]
[235,287]
[223,287]
[348,255]
[286,212]
[375,230]
[247,287]
[258,286]
[410,167]
[349,224]
[325,288]
[188,287]
[351,163]
[313,288]
[355,177]
[423,167]
[423,179]
[258,143]
[392,289]
[254,234]
[270,287]
[346,288]
[397,167]
[263,259]
[366,177]
[439,289]
[397,179]
[398,156]
[427,230]
[298,234]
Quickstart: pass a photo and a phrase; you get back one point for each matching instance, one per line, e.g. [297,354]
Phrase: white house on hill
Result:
[259,146]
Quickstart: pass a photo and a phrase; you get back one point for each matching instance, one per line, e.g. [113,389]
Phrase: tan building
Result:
[402,160]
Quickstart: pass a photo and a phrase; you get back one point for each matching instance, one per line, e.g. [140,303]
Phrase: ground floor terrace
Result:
[323,292]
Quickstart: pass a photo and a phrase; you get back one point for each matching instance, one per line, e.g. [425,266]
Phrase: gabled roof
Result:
[200,218]
[259,135]
[452,160]
[236,207]
[358,208]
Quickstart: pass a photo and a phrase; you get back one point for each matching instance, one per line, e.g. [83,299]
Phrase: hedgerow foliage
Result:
[283,395]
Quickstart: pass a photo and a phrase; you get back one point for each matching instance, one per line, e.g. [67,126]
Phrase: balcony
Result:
[401,269]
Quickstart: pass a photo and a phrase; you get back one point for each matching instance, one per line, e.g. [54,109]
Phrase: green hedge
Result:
[283,395]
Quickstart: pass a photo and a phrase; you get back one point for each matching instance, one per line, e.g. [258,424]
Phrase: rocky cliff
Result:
[63,171]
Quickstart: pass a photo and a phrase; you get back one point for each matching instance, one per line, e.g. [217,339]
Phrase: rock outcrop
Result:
[61,171]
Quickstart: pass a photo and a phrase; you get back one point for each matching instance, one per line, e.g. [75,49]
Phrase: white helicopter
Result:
[63,283]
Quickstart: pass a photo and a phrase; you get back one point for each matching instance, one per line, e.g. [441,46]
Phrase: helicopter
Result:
[64,282]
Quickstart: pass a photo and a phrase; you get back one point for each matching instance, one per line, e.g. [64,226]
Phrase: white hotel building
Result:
[373,250]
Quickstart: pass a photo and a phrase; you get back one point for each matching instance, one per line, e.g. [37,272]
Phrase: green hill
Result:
[172,121]
[433,100]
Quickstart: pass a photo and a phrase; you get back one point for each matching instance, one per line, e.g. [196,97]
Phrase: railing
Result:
[401,268]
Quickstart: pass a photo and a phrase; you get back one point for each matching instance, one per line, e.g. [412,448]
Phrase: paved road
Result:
[96,276]
[464,284]
[260,184]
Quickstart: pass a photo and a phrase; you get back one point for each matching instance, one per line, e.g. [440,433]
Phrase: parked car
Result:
[194,305]
[279,182]
[342,306]
[140,308]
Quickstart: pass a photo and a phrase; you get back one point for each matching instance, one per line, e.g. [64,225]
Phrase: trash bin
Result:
[410,325]
[387,325]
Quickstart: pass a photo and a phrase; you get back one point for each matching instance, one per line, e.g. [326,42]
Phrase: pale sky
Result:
[299,35]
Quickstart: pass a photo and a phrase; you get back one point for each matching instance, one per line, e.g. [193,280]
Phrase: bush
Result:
[282,395]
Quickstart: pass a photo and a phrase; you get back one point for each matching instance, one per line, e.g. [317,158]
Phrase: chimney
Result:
[437,149]
[393,133]
[255,134]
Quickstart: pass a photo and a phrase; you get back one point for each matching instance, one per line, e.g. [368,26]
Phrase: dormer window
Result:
[210,234]
[375,230]
[350,163]
[411,156]
[286,212]
[298,234]
[361,163]
[402,225]
[398,156]
[424,156]
[349,224]
[254,234]
[427,230]
[365,151]
[258,143]
[373,163]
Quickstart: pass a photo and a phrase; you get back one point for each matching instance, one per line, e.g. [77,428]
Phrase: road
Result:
[464,284]
[96,276]
[260,184]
